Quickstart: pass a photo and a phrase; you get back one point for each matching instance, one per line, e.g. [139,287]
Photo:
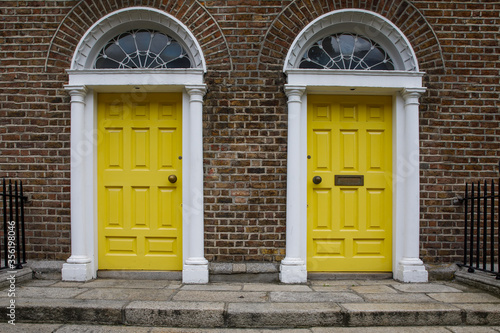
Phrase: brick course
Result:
[245,115]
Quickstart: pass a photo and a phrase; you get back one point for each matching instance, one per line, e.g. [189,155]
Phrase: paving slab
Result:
[24,327]
[127,294]
[426,288]
[64,284]
[44,292]
[220,296]
[175,314]
[283,315]
[473,329]
[314,297]
[228,330]
[134,284]
[374,289]
[331,288]
[464,298]
[388,282]
[64,310]
[102,329]
[397,298]
[380,330]
[213,287]
[326,283]
[401,314]
[275,287]
[39,283]
[481,314]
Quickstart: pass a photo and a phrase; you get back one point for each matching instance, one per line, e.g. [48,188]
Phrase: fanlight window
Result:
[346,51]
[142,49]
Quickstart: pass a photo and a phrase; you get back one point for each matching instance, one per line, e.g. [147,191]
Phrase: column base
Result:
[195,274]
[293,273]
[77,272]
[411,271]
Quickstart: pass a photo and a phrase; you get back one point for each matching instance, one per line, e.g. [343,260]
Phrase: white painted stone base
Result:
[411,271]
[195,274]
[77,272]
[293,273]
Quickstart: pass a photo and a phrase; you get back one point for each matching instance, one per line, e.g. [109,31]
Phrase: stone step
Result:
[249,315]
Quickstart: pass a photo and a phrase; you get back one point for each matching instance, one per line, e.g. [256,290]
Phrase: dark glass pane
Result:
[361,47]
[374,57]
[106,63]
[173,51]
[309,65]
[159,42]
[127,43]
[346,43]
[318,55]
[143,38]
[180,63]
[331,46]
[113,51]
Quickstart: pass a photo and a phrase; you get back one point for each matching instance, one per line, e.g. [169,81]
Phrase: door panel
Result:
[139,210]
[349,225]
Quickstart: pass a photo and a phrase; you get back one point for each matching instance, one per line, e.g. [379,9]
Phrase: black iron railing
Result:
[13,244]
[482,233]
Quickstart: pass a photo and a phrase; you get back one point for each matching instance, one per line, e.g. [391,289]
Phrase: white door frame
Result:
[84,85]
[405,86]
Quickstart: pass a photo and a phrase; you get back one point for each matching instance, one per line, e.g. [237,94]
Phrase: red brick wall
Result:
[245,119]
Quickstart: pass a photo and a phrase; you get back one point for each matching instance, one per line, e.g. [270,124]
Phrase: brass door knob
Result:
[317,180]
[172,178]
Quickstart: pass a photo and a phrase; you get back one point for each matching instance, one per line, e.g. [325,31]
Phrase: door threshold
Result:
[349,275]
[140,275]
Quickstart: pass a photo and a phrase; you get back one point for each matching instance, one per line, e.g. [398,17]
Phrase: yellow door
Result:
[350,207]
[139,209]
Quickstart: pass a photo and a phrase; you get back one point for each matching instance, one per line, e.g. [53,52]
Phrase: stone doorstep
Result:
[21,275]
[249,315]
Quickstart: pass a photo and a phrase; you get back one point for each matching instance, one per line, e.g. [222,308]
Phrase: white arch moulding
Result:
[84,85]
[404,84]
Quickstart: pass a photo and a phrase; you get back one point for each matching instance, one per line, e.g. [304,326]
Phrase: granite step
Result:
[142,303]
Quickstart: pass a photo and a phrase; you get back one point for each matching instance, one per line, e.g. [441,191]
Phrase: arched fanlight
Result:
[142,48]
[346,51]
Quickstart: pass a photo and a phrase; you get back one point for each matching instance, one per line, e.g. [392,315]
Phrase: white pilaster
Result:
[78,266]
[410,267]
[293,267]
[195,268]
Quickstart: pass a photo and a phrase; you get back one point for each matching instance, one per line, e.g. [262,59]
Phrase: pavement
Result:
[115,305]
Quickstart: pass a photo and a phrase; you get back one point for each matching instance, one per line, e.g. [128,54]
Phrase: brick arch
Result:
[299,13]
[85,13]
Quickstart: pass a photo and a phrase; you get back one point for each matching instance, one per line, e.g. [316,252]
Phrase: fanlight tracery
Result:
[142,48]
[346,51]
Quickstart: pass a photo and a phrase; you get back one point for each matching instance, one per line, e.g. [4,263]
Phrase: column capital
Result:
[411,95]
[77,93]
[294,93]
[196,92]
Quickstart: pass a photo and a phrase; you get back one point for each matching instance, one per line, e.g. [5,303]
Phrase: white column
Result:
[410,267]
[195,268]
[78,266]
[293,267]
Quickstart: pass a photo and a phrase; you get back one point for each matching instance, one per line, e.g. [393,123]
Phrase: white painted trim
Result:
[129,18]
[84,87]
[404,87]
[153,79]
[293,267]
[360,21]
